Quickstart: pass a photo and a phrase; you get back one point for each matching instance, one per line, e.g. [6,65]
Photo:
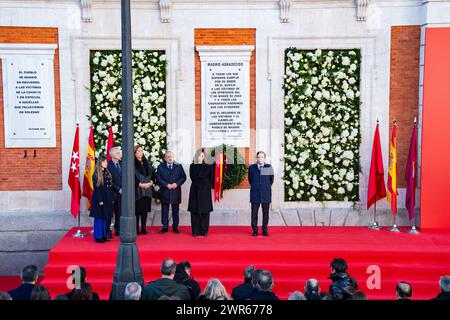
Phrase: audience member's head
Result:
[182,271]
[325,296]
[444,283]
[79,275]
[5,296]
[338,265]
[255,276]
[164,297]
[40,293]
[297,295]
[187,267]
[248,273]
[29,274]
[359,295]
[312,286]
[214,290]
[168,268]
[265,281]
[61,297]
[84,293]
[133,291]
[403,291]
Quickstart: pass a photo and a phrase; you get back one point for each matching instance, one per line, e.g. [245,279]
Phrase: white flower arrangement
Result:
[149,100]
[322,129]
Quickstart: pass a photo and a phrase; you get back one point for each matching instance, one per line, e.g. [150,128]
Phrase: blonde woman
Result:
[214,290]
[102,202]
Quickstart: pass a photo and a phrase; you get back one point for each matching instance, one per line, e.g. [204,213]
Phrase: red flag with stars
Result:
[74,175]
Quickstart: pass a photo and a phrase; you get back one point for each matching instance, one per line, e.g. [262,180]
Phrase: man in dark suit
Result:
[29,277]
[260,177]
[115,168]
[166,286]
[246,289]
[264,285]
[170,176]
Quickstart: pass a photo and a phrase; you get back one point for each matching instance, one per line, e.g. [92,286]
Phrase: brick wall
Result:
[42,172]
[222,37]
[404,89]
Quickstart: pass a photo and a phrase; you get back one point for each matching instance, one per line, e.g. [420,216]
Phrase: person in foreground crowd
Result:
[312,290]
[200,203]
[244,290]
[403,291]
[29,277]
[40,293]
[133,291]
[115,167]
[166,285]
[83,293]
[325,296]
[343,285]
[144,183]
[5,296]
[444,284]
[265,286]
[297,295]
[214,290]
[102,199]
[183,276]
[81,273]
[170,176]
[260,177]
[359,295]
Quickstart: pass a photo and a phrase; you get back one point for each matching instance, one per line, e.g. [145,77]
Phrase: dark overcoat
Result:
[105,194]
[202,176]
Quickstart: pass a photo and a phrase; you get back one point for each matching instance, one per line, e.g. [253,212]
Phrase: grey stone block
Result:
[338,217]
[29,241]
[17,260]
[290,217]
[322,217]
[306,217]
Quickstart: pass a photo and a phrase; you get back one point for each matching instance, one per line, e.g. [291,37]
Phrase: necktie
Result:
[118,166]
[170,167]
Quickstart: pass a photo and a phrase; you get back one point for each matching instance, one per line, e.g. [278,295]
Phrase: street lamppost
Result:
[128,267]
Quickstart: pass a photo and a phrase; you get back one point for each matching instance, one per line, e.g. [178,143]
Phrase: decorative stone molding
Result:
[165,7]
[361,9]
[285,7]
[86,6]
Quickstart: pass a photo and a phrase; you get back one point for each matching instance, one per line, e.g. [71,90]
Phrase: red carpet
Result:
[292,254]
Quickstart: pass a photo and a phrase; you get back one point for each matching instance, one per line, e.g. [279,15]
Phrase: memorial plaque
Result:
[28,95]
[225,95]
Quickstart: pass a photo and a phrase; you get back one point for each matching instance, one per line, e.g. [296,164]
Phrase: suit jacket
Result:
[264,296]
[243,291]
[116,176]
[164,176]
[260,183]
[23,292]
[164,286]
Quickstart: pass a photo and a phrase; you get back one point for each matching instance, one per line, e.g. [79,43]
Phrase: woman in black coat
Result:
[200,203]
[144,182]
[102,201]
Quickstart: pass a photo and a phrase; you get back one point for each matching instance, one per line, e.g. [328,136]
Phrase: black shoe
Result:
[163,230]
[204,234]
[175,230]
[143,231]
[255,233]
[138,232]
[265,233]
[105,239]
[195,234]
[99,240]
[117,233]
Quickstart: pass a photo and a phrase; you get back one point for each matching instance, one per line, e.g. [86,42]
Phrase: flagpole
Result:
[375,225]
[413,220]
[78,233]
[394,227]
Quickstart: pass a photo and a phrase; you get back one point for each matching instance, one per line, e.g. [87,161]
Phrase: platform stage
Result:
[292,254]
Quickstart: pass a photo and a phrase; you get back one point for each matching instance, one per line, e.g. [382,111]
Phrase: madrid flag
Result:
[110,144]
[74,175]
[377,188]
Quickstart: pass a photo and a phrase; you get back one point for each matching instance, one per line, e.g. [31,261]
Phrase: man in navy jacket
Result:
[260,177]
[115,168]
[170,176]
[29,277]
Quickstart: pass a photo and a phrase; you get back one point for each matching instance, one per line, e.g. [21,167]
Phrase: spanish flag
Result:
[218,176]
[392,173]
[88,186]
